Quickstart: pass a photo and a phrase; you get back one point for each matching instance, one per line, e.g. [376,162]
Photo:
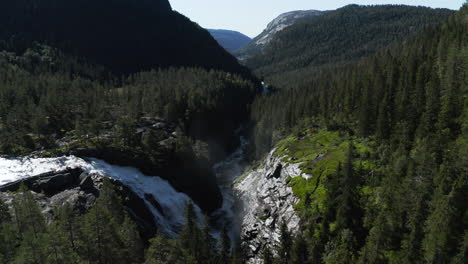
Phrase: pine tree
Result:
[341,250]
[299,253]
[208,243]
[285,246]
[5,215]
[164,251]
[444,231]
[8,236]
[190,237]
[58,249]
[101,241]
[67,222]
[31,228]
[349,213]
[132,244]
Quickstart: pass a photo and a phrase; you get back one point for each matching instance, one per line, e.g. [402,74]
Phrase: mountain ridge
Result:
[339,36]
[229,39]
[276,25]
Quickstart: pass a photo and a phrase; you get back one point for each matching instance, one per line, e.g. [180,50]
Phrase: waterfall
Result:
[227,172]
[172,202]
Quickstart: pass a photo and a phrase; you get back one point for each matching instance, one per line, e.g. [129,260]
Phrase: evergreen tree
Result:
[208,243]
[286,243]
[164,251]
[299,253]
[341,250]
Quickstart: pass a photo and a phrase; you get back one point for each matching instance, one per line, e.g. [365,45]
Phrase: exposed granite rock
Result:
[266,200]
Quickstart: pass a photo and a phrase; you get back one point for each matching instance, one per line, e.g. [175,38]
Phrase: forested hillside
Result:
[124,36]
[338,36]
[386,142]
[105,234]
[89,78]
[373,117]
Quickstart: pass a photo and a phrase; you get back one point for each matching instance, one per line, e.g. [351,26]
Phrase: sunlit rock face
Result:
[266,200]
[283,21]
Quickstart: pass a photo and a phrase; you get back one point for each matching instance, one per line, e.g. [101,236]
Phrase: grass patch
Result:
[319,154]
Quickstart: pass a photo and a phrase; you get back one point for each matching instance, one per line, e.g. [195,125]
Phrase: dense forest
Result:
[393,187]
[106,234]
[376,111]
[338,36]
[42,103]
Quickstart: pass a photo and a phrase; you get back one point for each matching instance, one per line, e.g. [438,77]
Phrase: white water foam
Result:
[227,172]
[173,203]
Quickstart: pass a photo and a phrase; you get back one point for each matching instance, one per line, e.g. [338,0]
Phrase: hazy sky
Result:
[252,16]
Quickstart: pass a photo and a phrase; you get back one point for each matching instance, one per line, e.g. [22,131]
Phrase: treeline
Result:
[105,234]
[45,95]
[339,36]
[410,207]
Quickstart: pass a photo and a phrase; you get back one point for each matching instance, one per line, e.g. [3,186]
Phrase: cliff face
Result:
[266,200]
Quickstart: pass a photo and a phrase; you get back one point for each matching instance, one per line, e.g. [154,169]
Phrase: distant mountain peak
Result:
[281,22]
[229,39]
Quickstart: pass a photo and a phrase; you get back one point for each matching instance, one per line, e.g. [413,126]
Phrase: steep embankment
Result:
[265,200]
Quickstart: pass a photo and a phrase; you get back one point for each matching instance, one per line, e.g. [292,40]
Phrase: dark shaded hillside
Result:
[125,36]
[338,36]
[230,40]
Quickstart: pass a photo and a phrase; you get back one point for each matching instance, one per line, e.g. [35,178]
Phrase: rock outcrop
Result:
[266,200]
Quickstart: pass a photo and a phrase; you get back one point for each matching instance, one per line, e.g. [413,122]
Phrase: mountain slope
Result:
[339,36]
[230,40]
[90,76]
[274,27]
[382,149]
[124,36]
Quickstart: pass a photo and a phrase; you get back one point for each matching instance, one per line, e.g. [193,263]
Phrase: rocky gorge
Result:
[255,201]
